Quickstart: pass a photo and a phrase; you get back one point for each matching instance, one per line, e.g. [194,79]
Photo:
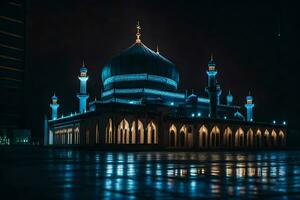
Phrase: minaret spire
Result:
[249,107]
[82,95]
[229,98]
[54,106]
[138,34]
[213,89]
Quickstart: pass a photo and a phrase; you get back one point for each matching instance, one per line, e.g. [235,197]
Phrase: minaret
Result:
[82,95]
[229,98]
[138,34]
[54,106]
[249,106]
[213,89]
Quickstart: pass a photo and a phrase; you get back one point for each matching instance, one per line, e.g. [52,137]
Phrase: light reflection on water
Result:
[160,175]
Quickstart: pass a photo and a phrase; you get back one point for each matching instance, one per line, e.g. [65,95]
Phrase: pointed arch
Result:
[266,138]
[132,139]
[108,132]
[273,139]
[239,138]
[214,138]
[123,132]
[258,138]
[77,135]
[250,138]
[172,135]
[183,136]
[140,133]
[203,137]
[281,139]
[151,133]
[228,137]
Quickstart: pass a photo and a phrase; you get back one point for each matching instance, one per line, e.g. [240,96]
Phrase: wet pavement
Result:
[39,173]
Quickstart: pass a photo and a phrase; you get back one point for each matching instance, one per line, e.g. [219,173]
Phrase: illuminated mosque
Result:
[141,107]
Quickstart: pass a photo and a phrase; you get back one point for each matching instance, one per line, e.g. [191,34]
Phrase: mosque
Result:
[141,107]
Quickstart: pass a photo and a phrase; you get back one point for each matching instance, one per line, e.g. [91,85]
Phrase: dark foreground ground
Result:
[41,173]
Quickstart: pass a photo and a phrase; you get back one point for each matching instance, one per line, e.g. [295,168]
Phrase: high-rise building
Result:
[12,65]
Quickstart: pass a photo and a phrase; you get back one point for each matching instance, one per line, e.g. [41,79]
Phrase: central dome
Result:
[140,67]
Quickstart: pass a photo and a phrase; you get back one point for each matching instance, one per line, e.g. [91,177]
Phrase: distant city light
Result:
[172,103]
[284,122]
[225,117]
[199,114]
[274,122]
[193,115]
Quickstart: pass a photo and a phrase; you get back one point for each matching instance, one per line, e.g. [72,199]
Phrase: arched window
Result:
[214,137]
[273,139]
[77,134]
[132,139]
[258,142]
[250,138]
[140,133]
[281,139]
[183,136]
[203,137]
[266,138]
[172,135]
[239,138]
[151,133]
[228,138]
[108,132]
[123,132]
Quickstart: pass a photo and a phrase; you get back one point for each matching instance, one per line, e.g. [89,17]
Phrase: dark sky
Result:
[242,36]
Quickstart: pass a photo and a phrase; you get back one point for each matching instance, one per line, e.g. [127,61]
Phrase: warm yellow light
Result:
[211,68]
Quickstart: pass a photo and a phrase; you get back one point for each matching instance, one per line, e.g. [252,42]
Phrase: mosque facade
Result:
[141,107]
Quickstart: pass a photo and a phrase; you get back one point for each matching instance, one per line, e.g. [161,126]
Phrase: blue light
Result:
[150,91]
[140,77]
[274,122]
[199,114]
[284,122]
[131,102]
[193,115]
[126,91]
[203,100]
[172,103]
[212,73]
[164,93]
[225,117]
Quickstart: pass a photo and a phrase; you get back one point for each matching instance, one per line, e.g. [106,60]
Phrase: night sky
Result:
[242,36]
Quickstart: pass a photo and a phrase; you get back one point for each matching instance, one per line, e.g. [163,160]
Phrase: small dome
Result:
[192,99]
[54,97]
[139,66]
[83,69]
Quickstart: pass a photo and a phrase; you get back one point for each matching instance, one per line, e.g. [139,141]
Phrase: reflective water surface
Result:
[77,174]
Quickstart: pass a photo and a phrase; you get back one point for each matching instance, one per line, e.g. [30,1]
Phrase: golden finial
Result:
[157,50]
[138,34]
